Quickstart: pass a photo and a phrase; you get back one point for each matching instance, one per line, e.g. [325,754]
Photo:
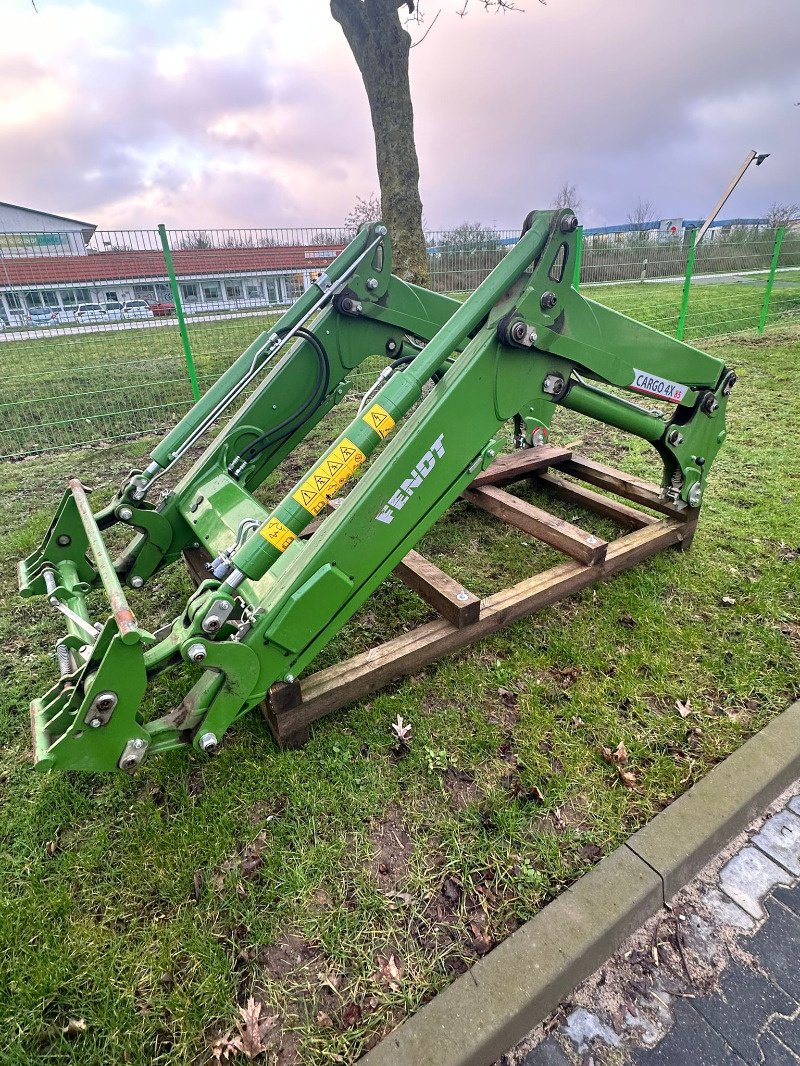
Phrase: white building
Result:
[48,261]
[24,231]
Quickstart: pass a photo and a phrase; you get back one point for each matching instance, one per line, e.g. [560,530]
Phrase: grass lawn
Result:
[342,885]
[103,385]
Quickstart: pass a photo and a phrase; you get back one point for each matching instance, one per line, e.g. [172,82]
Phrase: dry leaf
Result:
[402,732]
[482,944]
[627,777]
[352,1014]
[388,972]
[728,601]
[683,708]
[617,757]
[324,1020]
[510,699]
[225,1047]
[252,1029]
[74,1026]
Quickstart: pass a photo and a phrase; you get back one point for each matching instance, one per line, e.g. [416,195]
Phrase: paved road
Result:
[713,982]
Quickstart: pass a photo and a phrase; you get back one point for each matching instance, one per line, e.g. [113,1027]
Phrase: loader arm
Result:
[524,343]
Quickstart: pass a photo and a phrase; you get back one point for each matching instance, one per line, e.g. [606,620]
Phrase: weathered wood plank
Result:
[577,543]
[355,678]
[572,492]
[438,589]
[520,464]
[625,485]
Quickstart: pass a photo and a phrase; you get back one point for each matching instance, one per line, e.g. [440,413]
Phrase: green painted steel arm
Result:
[525,342]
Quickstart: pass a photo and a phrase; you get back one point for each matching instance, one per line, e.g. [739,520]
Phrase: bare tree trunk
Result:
[381,49]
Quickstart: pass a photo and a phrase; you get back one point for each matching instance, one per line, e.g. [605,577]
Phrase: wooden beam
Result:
[520,464]
[438,589]
[355,678]
[577,543]
[625,485]
[572,492]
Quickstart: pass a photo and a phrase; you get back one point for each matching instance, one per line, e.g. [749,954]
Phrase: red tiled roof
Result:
[119,266]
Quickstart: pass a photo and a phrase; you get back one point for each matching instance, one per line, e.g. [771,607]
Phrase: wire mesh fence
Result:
[98,342]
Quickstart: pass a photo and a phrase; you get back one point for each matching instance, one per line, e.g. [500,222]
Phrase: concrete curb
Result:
[492,1006]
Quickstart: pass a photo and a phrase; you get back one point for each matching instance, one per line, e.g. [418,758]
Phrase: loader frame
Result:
[271,596]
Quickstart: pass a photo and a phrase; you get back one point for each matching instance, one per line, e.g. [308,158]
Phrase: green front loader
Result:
[524,343]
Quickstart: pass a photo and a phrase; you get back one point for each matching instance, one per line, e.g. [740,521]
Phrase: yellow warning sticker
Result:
[278,535]
[380,420]
[329,476]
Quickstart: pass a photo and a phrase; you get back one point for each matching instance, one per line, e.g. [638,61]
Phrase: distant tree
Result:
[364,210]
[645,211]
[463,256]
[330,237]
[195,240]
[567,196]
[780,214]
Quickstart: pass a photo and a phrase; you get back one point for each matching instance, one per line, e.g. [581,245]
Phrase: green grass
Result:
[78,388]
[715,309]
[149,907]
[100,386]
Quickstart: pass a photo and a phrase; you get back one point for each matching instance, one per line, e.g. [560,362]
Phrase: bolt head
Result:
[381,231]
[64,540]
[197,653]
[138,743]
[372,284]
[208,742]
[125,514]
[289,679]
[569,223]
[95,723]
[137,582]
[548,301]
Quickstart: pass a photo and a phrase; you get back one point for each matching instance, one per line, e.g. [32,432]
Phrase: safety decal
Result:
[380,420]
[663,388]
[278,535]
[329,476]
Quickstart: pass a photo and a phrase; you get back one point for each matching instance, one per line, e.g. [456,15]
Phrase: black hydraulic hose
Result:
[278,434]
[404,360]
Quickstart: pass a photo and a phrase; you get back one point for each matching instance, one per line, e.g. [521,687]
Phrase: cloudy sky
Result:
[252,112]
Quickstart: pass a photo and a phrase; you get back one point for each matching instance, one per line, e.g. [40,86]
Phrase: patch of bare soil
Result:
[391,847]
[461,787]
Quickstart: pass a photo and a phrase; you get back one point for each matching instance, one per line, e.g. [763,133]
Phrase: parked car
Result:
[90,313]
[136,309]
[162,309]
[41,316]
[113,308]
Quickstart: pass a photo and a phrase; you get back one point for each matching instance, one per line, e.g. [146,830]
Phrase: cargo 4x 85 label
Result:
[663,388]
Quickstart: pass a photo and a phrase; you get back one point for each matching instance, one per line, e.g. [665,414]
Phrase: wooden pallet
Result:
[291,708]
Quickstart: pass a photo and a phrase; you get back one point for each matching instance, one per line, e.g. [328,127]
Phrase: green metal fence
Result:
[114,339]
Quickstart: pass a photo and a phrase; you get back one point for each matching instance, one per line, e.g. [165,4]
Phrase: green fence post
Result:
[770,280]
[176,299]
[687,283]
[576,275]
